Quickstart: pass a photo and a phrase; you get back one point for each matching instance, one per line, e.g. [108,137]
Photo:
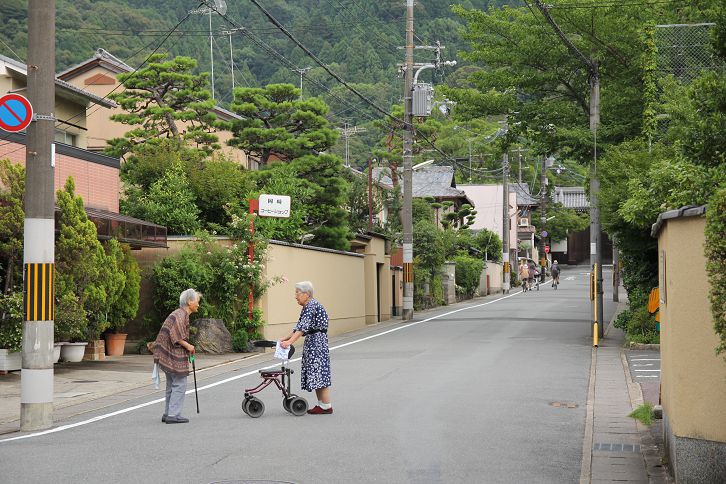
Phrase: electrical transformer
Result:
[423,98]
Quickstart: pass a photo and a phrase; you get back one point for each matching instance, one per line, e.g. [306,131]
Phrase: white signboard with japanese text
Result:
[274,206]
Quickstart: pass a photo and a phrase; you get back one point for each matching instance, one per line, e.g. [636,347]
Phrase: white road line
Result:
[645,364]
[646,370]
[646,376]
[645,359]
[237,377]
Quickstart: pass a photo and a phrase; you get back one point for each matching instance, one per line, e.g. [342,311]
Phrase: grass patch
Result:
[643,414]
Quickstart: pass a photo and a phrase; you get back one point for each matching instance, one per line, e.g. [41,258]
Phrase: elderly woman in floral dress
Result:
[313,324]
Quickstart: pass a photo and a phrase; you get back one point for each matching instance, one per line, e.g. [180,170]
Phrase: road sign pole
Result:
[36,377]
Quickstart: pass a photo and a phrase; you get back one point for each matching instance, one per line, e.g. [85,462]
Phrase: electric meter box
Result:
[423,99]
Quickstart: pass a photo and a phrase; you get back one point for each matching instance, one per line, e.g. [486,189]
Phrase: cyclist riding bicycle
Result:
[555,270]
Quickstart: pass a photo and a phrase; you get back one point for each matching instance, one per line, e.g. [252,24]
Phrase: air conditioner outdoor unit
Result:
[524,222]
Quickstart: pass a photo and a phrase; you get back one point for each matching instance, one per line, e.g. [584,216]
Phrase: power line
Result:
[608,4]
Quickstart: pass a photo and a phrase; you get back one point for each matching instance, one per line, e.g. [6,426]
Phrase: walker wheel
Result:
[255,407]
[244,404]
[298,406]
[286,402]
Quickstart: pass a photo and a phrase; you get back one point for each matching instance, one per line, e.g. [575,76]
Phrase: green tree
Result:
[327,219]
[12,217]
[276,122]
[79,260]
[123,302]
[164,99]
[170,202]
[563,221]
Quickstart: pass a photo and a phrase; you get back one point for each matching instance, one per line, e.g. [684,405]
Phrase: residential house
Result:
[431,181]
[527,236]
[693,376]
[378,190]
[488,200]
[99,76]
[96,176]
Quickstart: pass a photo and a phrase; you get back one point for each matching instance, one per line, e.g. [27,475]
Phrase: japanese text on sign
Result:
[274,206]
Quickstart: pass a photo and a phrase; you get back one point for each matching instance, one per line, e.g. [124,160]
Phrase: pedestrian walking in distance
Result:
[313,324]
[171,352]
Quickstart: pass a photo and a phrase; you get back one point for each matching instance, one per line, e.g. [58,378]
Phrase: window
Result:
[66,137]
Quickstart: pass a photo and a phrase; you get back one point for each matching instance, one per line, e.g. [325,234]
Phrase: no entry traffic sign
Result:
[16,113]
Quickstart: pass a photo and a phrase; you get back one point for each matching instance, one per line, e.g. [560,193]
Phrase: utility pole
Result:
[505,222]
[595,255]
[519,151]
[469,141]
[370,194]
[347,132]
[36,377]
[407,171]
[543,218]
[616,271]
[302,72]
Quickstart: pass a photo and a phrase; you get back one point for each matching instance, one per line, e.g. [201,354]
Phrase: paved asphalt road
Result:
[463,397]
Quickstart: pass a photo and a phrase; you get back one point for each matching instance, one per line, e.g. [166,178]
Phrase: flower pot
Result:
[115,343]
[57,352]
[73,352]
[10,360]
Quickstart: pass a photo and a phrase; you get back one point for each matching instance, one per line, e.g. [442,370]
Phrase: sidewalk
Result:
[621,449]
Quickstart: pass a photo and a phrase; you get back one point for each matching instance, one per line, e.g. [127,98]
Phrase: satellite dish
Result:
[221,6]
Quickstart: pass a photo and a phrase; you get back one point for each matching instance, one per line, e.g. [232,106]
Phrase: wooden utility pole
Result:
[543,218]
[36,377]
[370,194]
[407,171]
[505,222]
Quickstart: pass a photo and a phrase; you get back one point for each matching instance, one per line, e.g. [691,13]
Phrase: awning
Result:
[128,230]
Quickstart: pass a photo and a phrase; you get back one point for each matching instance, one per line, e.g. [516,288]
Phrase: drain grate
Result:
[564,404]
[617,447]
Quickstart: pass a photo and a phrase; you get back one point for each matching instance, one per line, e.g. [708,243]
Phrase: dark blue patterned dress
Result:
[315,372]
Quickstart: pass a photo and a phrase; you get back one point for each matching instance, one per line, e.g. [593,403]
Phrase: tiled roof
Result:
[572,197]
[112,62]
[428,181]
[21,70]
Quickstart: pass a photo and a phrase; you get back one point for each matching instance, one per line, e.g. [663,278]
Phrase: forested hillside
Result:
[358,39]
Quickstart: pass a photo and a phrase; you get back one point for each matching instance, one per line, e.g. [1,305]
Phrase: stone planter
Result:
[10,360]
[95,350]
[73,352]
[115,343]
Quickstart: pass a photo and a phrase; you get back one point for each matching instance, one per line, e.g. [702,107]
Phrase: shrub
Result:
[715,263]
[11,320]
[468,273]
[240,340]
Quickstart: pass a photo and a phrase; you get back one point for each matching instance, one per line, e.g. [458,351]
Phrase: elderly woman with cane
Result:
[313,324]
[171,351]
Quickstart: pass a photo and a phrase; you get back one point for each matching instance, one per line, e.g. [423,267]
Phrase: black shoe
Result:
[173,420]
[163,418]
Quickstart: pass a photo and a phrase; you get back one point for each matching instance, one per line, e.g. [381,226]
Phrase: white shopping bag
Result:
[281,353]
[155,376]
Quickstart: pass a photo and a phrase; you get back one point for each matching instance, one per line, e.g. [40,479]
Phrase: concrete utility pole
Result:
[302,72]
[407,172]
[505,222]
[543,217]
[616,271]
[347,132]
[595,255]
[36,377]
[370,194]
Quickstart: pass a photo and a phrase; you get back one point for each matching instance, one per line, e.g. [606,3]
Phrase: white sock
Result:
[325,406]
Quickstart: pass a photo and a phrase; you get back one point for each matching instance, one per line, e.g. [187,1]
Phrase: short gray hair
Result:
[188,296]
[305,287]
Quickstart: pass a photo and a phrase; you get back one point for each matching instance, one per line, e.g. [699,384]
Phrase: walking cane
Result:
[194,371]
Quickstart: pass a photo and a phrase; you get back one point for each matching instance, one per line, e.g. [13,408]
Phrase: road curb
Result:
[586,467]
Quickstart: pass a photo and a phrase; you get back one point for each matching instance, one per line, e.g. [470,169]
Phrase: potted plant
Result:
[123,294]
[70,326]
[11,330]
